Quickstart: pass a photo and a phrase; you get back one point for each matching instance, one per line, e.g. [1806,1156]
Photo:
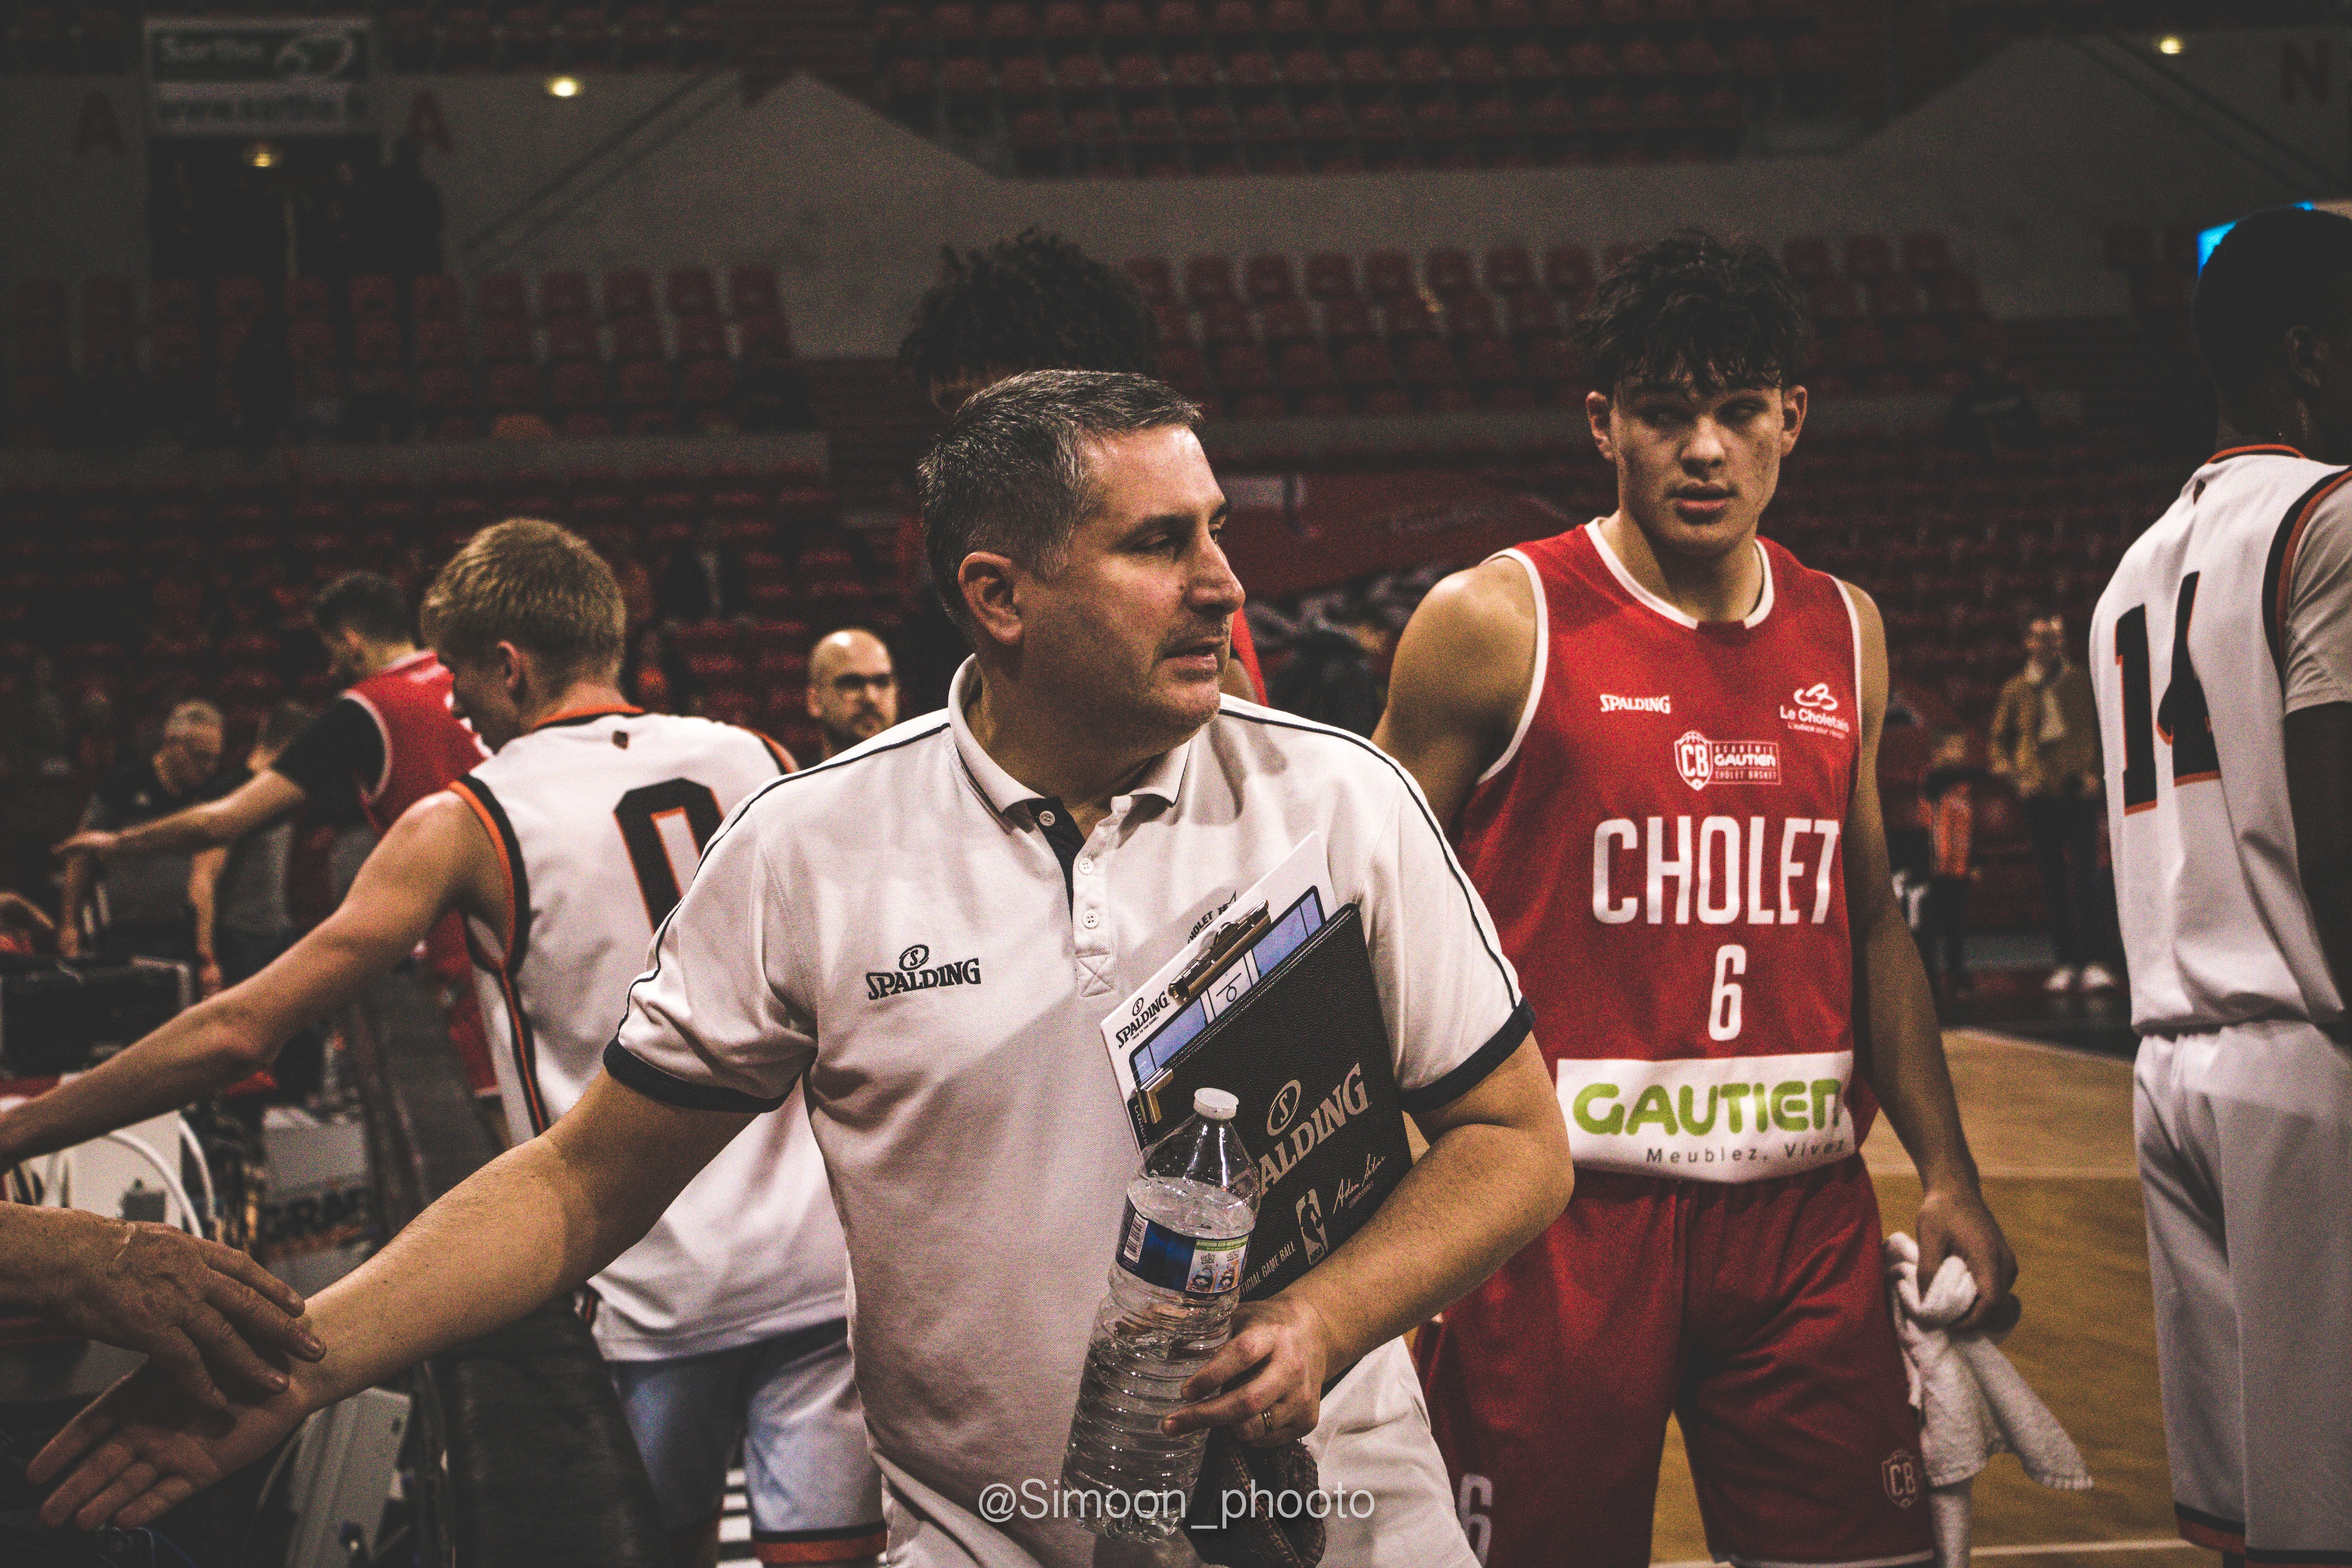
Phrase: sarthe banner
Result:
[261,77]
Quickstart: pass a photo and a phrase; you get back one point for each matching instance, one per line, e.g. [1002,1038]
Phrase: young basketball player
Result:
[1656,739]
[2221,654]
[564,852]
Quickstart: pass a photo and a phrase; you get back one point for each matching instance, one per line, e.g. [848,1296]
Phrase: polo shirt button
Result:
[1090,919]
[1046,818]
[1085,863]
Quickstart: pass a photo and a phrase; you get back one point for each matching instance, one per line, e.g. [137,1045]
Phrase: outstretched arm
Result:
[437,855]
[256,803]
[1895,1022]
[1459,681]
[537,1220]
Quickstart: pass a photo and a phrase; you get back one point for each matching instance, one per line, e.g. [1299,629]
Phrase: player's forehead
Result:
[1696,390]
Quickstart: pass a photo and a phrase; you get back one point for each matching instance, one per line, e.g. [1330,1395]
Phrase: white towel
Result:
[1972,1403]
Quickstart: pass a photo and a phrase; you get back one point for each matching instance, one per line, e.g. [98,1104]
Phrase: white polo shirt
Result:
[972,1131]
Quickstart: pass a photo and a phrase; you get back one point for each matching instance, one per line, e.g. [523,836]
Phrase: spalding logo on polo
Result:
[916,972]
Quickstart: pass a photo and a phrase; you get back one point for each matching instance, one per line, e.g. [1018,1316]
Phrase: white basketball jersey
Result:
[601,817]
[2186,660]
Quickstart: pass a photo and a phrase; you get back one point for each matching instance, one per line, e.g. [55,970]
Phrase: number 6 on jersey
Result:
[1723,1001]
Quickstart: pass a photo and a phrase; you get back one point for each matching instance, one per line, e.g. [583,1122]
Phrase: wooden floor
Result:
[2051,1130]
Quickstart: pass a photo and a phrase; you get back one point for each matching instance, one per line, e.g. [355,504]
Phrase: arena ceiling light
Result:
[2171,44]
[563,87]
[262,155]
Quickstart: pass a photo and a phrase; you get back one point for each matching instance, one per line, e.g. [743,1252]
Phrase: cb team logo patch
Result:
[1702,762]
[1900,1472]
[1695,759]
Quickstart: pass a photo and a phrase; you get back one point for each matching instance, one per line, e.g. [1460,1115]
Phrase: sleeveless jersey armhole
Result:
[383,739]
[1854,620]
[1543,661]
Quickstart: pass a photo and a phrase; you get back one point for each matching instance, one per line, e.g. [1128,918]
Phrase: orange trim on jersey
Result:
[623,709]
[2211,1537]
[2197,778]
[784,762]
[2295,543]
[525,1059]
[505,867]
[843,1549]
[2278,448]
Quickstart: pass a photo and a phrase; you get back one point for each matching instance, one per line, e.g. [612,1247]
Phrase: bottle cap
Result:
[1215,1104]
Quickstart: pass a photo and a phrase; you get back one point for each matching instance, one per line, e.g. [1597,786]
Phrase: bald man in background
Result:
[853,690]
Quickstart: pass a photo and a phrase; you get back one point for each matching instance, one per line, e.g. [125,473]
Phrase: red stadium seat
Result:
[1347,319]
[563,293]
[1807,259]
[1287,321]
[1868,256]
[311,341]
[1427,362]
[573,338]
[444,389]
[1926,255]
[1448,273]
[107,300]
[636,339]
[1532,313]
[769,332]
[373,296]
[1209,277]
[1225,321]
[690,292]
[507,340]
[375,341]
[1470,316]
[175,300]
[1569,271]
[440,343]
[1267,277]
[499,296]
[578,385]
[707,383]
[309,299]
[1510,270]
[1243,367]
[237,299]
[701,337]
[1388,274]
[628,291]
[645,384]
[752,291]
[1023,79]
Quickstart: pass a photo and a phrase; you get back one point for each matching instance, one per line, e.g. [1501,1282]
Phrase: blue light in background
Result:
[2207,238]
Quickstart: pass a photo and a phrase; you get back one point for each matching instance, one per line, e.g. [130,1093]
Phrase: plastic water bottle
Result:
[1174,1283]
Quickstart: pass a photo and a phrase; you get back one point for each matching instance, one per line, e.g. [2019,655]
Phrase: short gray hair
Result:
[1011,475]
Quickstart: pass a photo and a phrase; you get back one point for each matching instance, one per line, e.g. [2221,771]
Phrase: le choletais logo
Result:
[1815,709]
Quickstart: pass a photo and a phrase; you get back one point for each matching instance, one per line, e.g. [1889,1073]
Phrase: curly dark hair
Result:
[1724,313]
[1032,303]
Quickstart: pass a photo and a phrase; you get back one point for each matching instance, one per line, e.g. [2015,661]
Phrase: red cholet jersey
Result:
[426,744]
[1661,847]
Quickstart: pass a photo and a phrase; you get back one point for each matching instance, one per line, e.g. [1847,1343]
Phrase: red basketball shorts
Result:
[1755,1312]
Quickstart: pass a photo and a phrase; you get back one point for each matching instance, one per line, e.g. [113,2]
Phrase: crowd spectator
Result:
[142,907]
[852,690]
[2046,743]
[704,580]
[1949,791]
[242,919]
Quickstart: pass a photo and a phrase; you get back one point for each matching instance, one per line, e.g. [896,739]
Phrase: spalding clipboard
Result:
[1306,1053]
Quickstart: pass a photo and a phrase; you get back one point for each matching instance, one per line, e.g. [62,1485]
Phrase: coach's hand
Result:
[200,1311]
[1953,1220]
[1275,1361]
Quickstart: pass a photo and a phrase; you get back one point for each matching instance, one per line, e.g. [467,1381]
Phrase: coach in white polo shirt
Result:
[1034,853]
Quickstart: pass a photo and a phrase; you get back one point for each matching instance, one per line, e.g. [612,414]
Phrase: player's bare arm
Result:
[436,856]
[536,1221]
[1460,681]
[256,803]
[204,897]
[1497,1172]
[1895,1021]
[2319,791]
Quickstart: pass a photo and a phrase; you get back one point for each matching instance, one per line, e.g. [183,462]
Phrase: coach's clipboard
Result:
[1306,1051]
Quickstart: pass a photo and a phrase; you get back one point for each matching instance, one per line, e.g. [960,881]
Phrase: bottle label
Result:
[1194,1266]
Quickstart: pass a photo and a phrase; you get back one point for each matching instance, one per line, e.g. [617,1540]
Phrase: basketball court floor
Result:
[2051,1130]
